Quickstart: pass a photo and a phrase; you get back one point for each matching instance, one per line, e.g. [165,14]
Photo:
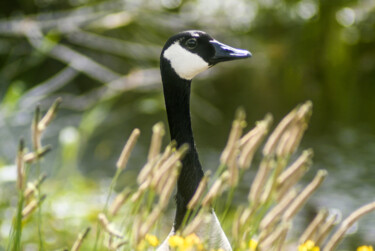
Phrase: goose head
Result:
[191,52]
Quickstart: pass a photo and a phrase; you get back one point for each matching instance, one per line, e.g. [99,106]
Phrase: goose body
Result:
[185,55]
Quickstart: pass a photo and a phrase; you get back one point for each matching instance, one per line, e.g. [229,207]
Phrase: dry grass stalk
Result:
[274,214]
[302,161]
[259,126]
[119,201]
[29,208]
[268,242]
[232,167]
[288,138]
[116,245]
[251,141]
[136,229]
[241,221]
[33,187]
[259,181]
[303,117]
[150,222]
[161,173]
[168,188]
[39,125]
[108,227]
[20,166]
[126,151]
[34,156]
[46,120]
[234,135]
[288,178]
[270,187]
[304,195]
[77,244]
[236,226]
[313,226]
[292,136]
[289,184]
[154,168]
[145,172]
[249,135]
[153,165]
[156,140]
[199,192]
[35,133]
[293,140]
[270,146]
[245,216]
[216,189]
[201,218]
[288,133]
[346,224]
[141,190]
[324,230]
[304,112]
[281,240]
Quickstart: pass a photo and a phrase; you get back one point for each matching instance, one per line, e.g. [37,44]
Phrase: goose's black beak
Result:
[224,52]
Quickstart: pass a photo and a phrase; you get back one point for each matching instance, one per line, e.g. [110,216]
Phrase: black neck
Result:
[177,101]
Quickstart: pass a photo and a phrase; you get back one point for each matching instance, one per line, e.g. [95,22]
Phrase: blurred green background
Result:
[102,58]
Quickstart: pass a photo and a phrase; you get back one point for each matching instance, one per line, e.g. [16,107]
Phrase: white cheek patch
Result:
[183,62]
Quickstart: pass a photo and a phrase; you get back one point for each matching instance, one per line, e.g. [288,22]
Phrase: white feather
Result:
[185,63]
[212,232]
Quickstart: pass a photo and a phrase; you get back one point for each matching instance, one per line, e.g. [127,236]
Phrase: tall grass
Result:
[131,221]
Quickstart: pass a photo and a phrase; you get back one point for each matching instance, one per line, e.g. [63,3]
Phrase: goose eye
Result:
[191,43]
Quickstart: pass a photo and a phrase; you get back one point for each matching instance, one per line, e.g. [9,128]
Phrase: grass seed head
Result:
[158,132]
[259,181]
[313,227]
[275,213]
[216,189]
[126,151]
[35,132]
[304,195]
[119,201]
[251,141]
[325,229]
[346,224]
[35,156]
[108,227]
[234,136]
[150,222]
[29,208]
[199,192]
[20,165]
[77,244]
[32,187]
[46,120]
[271,144]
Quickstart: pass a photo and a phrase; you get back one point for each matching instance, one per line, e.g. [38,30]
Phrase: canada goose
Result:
[184,56]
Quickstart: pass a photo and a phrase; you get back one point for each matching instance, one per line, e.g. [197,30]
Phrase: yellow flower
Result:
[152,240]
[176,241]
[190,242]
[253,244]
[308,246]
[365,248]
[192,239]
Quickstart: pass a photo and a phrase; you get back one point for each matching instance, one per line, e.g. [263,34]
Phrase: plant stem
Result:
[113,183]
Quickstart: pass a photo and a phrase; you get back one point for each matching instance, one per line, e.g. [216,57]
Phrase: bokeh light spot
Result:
[345,17]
